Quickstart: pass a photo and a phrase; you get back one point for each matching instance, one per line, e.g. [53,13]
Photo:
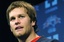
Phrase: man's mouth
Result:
[19,28]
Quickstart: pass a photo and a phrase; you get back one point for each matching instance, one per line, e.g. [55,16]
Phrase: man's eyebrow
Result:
[22,14]
[11,17]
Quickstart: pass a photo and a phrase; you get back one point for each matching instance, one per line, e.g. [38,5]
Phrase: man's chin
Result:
[22,36]
[18,35]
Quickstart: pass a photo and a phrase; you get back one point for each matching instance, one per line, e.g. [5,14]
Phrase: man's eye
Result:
[13,18]
[21,16]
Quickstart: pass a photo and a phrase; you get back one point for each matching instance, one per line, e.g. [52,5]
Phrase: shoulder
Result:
[43,39]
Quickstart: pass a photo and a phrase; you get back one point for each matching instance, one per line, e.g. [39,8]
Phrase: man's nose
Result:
[17,21]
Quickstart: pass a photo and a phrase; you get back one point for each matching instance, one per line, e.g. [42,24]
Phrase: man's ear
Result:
[33,23]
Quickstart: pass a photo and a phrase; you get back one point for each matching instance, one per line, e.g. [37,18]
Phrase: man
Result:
[21,17]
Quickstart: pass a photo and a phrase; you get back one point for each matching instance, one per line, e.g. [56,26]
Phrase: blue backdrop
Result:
[50,20]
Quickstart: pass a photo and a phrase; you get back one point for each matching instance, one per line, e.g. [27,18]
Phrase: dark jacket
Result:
[43,39]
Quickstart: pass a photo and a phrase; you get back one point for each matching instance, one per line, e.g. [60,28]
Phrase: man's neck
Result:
[32,36]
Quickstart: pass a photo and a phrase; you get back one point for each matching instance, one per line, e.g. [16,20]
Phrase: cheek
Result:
[26,23]
[12,28]
[26,20]
[11,24]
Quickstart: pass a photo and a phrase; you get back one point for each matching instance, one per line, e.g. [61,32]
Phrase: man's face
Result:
[20,23]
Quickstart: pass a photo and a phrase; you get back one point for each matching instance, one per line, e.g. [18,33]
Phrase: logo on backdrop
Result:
[51,22]
[49,5]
